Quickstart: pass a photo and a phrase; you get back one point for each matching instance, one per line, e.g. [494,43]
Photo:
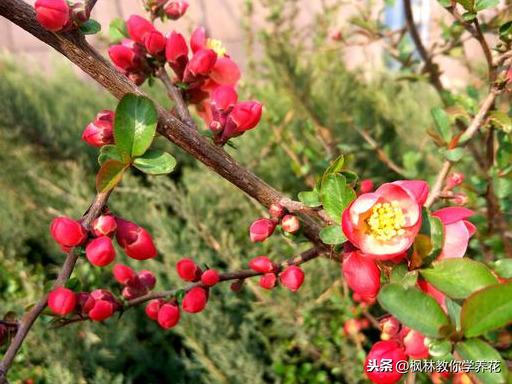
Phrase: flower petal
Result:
[450,215]
[410,207]
[225,71]
[417,188]
[456,238]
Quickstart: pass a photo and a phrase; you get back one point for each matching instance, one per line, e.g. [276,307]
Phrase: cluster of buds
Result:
[135,284]
[60,15]
[262,228]
[99,248]
[291,277]
[100,131]
[453,181]
[165,8]
[97,305]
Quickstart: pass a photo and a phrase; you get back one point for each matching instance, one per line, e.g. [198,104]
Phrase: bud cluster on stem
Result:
[262,228]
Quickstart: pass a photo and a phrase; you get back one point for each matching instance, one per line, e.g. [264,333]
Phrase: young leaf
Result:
[478,350]
[442,123]
[134,126]
[459,278]
[429,242]
[469,5]
[335,167]
[332,235]
[109,175]
[414,309]
[90,27]
[454,155]
[108,152]
[487,309]
[155,162]
[336,195]
[480,5]
[503,268]
[310,198]
[453,311]
[117,30]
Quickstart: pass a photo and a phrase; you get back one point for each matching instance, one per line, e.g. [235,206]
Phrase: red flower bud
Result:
[3,334]
[138,27]
[123,274]
[384,350]
[100,251]
[131,292]
[351,327]
[455,179]
[104,225]
[135,240]
[224,98]
[124,57]
[362,275]
[198,39]
[290,223]
[292,278]
[154,42]
[460,198]
[176,9]
[85,302]
[153,307]
[261,229]
[268,280]
[200,65]
[176,53]
[261,264]
[148,279]
[366,186]
[101,310]
[98,133]
[276,211]
[195,300]
[390,327]
[210,277]
[53,15]
[414,343]
[67,232]
[188,270]
[62,301]
[168,316]
[244,116]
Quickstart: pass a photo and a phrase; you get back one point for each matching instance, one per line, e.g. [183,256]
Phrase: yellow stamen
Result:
[386,221]
[216,46]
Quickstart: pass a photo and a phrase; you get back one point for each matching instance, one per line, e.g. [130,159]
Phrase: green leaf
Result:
[90,27]
[480,5]
[442,123]
[458,278]
[454,155]
[332,235]
[469,5]
[469,16]
[310,198]
[117,30]
[503,268]
[502,120]
[109,175]
[134,126]
[439,348]
[335,167]
[487,309]
[74,284]
[505,31]
[478,350]
[429,242]
[155,162]
[336,195]
[108,152]
[415,310]
[453,311]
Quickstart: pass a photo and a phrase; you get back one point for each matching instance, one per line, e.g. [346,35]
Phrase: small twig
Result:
[89,5]
[297,206]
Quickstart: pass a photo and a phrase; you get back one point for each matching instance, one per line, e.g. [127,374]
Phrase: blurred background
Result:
[318,66]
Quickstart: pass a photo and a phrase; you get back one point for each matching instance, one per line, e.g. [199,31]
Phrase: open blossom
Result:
[457,231]
[384,223]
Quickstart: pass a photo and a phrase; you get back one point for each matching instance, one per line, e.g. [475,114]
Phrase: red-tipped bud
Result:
[244,116]
[290,223]
[390,327]
[261,264]
[154,42]
[201,64]
[366,186]
[224,98]
[147,279]
[100,251]
[130,293]
[351,327]
[414,343]
[123,274]
[460,198]
[455,179]
[135,240]
[176,9]
[195,300]
[125,58]
[292,278]
[62,301]
[188,270]
[138,27]
[53,15]
[268,280]
[105,225]
[168,316]
[101,310]
[261,229]
[176,48]
[153,307]
[384,350]
[98,133]
[210,277]
[276,211]
[362,275]
[198,39]
[67,232]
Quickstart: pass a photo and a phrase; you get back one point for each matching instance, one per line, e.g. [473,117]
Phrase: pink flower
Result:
[138,27]
[154,42]
[176,9]
[457,231]
[384,223]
